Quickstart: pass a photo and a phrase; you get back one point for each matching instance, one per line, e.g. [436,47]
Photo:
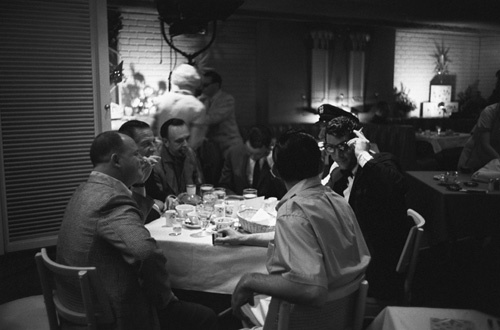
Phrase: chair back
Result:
[346,312]
[72,294]
[409,256]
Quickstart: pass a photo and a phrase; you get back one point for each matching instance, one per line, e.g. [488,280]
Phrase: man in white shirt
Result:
[318,248]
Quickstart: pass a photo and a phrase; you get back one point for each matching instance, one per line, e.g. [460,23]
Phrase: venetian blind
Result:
[46,114]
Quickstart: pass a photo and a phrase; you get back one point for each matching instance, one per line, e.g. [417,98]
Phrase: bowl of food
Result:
[256,221]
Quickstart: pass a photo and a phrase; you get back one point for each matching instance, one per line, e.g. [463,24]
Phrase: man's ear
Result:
[115,159]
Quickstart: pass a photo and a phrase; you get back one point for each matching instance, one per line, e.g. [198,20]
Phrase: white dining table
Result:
[421,318]
[194,263]
[442,141]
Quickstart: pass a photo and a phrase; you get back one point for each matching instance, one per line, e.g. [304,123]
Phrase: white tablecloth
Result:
[441,142]
[418,318]
[195,264]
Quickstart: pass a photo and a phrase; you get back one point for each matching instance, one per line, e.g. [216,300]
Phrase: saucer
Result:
[191,226]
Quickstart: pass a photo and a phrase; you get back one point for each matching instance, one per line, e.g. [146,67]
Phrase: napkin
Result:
[255,203]
[263,218]
[257,313]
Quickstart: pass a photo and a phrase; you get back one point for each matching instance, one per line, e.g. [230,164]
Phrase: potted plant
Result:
[403,105]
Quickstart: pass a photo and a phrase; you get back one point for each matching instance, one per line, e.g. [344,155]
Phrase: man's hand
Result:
[149,163]
[231,236]
[241,296]
[360,143]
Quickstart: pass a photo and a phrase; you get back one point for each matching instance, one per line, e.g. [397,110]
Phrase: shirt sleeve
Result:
[295,253]
[485,121]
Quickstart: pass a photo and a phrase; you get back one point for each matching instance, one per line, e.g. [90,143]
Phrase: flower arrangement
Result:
[402,102]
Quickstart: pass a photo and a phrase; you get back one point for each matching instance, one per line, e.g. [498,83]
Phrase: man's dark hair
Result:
[104,145]
[168,123]
[216,78]
[342,126]
[130,127]
[297,156]
[259,136]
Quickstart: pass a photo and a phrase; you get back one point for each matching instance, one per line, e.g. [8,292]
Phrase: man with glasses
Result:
[179,165]
[221,120]
[375,187]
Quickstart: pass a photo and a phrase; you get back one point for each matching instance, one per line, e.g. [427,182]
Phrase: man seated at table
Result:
[179,165]
[103,227]
[142,134]
[313,223]
[249,165]
[375,187]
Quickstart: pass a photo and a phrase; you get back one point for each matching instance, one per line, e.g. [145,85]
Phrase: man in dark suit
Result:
[375,187]
[249,165]
[178,166]
[103,226]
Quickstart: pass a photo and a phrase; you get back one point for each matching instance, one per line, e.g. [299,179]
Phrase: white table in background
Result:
[419,318]
[195,264]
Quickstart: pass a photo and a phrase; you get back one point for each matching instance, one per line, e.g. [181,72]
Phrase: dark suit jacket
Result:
[164,180]
[234,177]
[378,200]
[103,226]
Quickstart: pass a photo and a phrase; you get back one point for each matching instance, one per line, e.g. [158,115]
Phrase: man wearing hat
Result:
[181,103]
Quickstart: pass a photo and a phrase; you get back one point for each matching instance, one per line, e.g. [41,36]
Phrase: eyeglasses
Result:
[341,147]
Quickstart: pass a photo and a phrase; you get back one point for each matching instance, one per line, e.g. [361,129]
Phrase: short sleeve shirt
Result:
[317,239]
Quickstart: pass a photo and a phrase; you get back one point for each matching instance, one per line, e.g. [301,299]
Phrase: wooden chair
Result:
[72,295]
[408,260]
[345,312]
[406,265]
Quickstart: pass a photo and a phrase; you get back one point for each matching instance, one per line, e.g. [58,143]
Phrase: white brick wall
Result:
[472,57]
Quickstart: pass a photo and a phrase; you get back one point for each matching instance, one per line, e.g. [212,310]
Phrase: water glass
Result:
[206,188]
[220,193]
[177,226]
[249,193]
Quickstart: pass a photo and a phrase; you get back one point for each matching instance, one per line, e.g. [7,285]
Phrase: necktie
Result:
[256,174]
[341,184]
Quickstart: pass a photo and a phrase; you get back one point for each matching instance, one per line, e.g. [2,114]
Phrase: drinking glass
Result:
[438,129]
[220,193]
[177,226]
[206,188]
[204,210]
[249,193]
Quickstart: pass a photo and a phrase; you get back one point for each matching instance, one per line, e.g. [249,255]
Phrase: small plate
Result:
[191,226]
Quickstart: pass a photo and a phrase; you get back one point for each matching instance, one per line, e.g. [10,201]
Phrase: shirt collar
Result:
[299,187]
[115,182]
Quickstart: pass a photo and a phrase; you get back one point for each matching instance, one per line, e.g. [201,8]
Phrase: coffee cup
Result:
[223,222]
[169,217]
[184,209]
[193,217]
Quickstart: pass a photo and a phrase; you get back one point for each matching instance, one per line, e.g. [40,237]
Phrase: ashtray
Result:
[453,187]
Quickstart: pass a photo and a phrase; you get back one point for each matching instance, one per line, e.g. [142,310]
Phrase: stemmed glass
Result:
[204,211]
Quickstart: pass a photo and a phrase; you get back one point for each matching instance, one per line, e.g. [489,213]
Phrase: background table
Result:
[195,264]
[412,318]
[452,215]
[442,141]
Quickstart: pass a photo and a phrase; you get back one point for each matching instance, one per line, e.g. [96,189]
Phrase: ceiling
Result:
[467,15]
